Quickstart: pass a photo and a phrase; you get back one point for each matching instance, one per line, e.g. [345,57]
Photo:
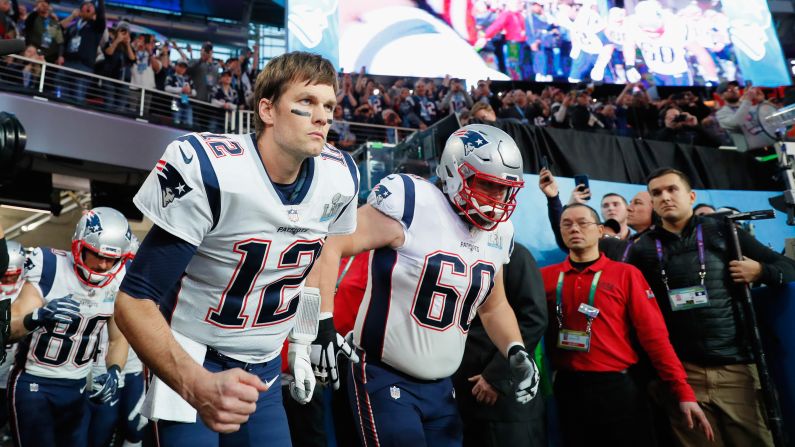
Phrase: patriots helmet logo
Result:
[172,185]
[472,140]
[93,225]
[381,192]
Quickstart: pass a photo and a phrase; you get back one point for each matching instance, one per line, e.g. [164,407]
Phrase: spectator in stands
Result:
[119,57]
[9,15]
[682,127]
[483,112]
[84,29]
[699,295]
[578,112]
[164,54]
[692,104]
[346,97]
[738,117]
[614,206]
[456,99]
[391,119]
[204,72]
[240,82]
[30,70]
[482,93]
[703,209]
[345,138]
[406,108]
[424,106]
[365,114]
[43,31]
[516,107]
[607,116]
[225,97]
[179,83]
[145,66]
[376,96]
[642,115]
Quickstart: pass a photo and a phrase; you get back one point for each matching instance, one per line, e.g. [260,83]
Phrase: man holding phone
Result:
[738,116]
[682,127]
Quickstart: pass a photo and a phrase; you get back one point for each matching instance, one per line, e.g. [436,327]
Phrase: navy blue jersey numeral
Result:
[437,300]
[54,347]
[272,307]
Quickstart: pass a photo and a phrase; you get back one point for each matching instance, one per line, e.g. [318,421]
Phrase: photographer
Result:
[682,127]
[457,98]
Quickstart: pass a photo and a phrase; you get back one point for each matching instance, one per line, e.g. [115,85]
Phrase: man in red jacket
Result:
[597,307]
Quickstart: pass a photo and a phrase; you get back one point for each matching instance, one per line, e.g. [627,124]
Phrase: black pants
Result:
[307,428]
[602,409]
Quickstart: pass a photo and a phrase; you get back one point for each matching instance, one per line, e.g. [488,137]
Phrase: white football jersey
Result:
[65,351]
[255,247]
[664,53]
[421,298]
[585,31]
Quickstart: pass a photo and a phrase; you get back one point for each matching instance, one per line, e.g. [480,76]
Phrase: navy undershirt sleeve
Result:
[3,255]
[158,266]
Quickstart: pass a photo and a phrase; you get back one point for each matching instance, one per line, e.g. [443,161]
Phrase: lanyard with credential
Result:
[591,297]
[702,272]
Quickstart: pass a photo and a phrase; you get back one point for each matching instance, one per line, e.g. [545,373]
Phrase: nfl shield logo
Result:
[292,214]
[394,392]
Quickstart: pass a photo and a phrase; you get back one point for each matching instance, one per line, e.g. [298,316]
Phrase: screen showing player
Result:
[667,42]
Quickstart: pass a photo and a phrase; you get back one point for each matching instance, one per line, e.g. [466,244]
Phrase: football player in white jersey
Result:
[238,222]
[66,301]
[437,261]
[10,284]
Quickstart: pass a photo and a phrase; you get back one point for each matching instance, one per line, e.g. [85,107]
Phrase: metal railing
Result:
[87,90]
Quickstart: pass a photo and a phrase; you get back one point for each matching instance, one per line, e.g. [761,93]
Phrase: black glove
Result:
[524,374]
[325,349]
[106,386]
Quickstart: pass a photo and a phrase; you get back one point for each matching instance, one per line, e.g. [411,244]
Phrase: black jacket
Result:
[525,291]
[713,335]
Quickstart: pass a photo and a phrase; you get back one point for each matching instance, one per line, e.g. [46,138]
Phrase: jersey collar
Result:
[306,176]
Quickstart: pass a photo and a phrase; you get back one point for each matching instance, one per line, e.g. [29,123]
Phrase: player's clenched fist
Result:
[225,400]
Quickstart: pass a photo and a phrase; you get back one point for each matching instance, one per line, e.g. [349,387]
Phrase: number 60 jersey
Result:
[256,241]
[421,297]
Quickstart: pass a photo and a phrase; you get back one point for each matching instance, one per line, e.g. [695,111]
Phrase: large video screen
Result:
[670,42]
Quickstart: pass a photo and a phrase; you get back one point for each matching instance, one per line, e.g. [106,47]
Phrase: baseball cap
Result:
[207,46]
[123,25]
[725,86]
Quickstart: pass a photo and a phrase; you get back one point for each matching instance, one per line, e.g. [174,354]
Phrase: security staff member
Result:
[596,305]
[687,260]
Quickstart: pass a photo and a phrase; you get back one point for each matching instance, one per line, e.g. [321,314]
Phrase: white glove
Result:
[303,383]
[524,374]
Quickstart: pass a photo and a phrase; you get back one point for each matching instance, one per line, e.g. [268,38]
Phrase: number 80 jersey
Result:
[65,351]
[421,298]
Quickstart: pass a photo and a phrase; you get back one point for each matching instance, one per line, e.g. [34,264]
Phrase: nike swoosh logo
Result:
[185,157]
[270,382]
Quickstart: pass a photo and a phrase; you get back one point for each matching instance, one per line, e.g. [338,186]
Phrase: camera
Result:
[681,118]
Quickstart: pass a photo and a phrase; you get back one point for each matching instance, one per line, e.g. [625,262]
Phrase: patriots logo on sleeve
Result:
[381,192]
[29,265]
[472,140]
[172,185]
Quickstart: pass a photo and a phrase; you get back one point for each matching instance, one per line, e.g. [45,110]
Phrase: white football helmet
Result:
[106,233]
[12,279]
[475,156]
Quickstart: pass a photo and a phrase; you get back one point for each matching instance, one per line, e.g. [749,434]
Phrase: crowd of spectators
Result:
[83,41]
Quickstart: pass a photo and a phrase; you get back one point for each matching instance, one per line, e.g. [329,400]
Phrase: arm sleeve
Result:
[159,263]
[653,335]
[776,269]
[181,195]
[554,211]
[345,223]
[3,255]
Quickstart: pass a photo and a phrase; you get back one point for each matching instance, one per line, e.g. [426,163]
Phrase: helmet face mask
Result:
[11,281]
[105,233]
[481,168]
